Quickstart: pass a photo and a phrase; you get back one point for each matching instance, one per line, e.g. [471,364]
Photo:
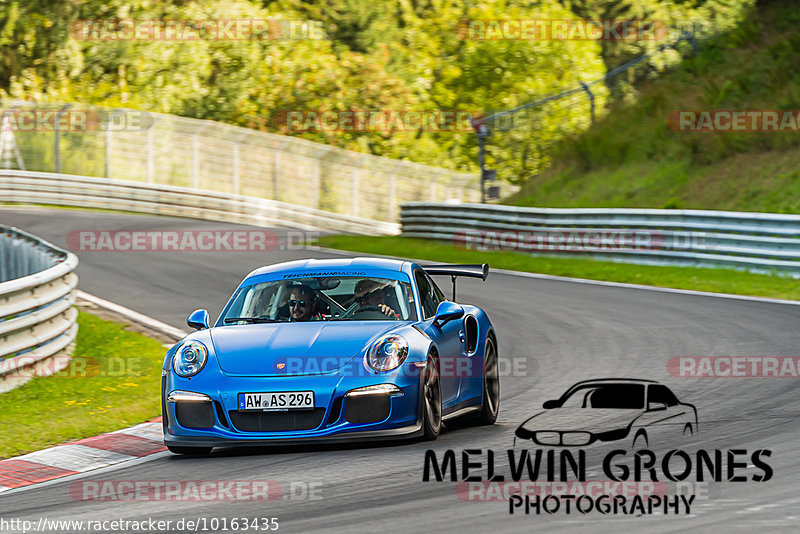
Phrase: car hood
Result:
[281,349]
[594,420]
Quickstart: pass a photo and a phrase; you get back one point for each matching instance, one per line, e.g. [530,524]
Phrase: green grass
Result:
[112,382]
[630,158]
[699,279]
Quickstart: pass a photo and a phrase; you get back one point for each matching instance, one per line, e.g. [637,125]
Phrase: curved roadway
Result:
[555,332]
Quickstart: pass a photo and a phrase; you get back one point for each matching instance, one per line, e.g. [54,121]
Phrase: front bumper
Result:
[228,427]
[409,432]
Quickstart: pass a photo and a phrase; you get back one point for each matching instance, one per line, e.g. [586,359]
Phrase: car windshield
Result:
[322,299]
[620,396]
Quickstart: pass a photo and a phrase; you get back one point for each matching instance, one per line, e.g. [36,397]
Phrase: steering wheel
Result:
[372,308]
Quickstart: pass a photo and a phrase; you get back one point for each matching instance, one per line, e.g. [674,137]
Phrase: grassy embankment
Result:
[631,158]
[112,382]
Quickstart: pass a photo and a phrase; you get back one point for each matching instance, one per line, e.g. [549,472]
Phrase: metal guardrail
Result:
[760,242]
[90,192]
[37,317]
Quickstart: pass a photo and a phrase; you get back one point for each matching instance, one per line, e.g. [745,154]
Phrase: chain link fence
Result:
[520,142]
[169,150]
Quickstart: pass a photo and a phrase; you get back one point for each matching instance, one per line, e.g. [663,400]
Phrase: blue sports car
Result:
[331,350]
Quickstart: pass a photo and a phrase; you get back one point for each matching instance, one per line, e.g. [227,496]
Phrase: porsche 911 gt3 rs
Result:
[330,350]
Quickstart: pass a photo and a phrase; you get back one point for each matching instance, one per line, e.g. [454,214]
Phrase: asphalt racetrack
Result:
[551,334]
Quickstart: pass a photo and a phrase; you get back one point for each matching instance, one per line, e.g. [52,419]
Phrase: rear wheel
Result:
[189,451]
[431,399]
[491,385]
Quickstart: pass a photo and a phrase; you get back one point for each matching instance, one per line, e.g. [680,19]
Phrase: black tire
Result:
[491,385]
[431,403]
[189,451]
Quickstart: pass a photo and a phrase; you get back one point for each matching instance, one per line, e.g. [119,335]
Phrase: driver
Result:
[370,293]
[302,304]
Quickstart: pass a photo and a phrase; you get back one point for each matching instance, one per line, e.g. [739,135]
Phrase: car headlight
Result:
[189,359]
[388,353]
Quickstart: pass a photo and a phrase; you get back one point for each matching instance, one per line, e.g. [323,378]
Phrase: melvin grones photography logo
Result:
[611,409]
[612,446]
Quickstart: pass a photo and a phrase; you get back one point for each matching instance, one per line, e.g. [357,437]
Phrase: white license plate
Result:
[276,401]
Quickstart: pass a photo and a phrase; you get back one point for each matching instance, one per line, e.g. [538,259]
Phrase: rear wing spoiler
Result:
[455,270]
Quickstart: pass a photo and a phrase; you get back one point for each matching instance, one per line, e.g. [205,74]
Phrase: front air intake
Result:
[277,421]
[194,414]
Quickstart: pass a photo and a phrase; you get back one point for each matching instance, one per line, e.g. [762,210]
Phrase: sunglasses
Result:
[301,303]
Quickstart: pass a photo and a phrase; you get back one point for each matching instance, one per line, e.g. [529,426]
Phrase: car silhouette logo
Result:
[281,365]
[611,409]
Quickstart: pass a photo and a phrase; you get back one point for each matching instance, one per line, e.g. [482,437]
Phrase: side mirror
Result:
[198,319]
[656,406]
[549,405]
[446,312]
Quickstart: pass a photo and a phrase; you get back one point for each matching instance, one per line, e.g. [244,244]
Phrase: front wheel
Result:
[491,386]
[431,400]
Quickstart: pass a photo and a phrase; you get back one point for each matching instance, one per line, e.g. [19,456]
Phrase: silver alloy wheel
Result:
[433,396]
[491,379]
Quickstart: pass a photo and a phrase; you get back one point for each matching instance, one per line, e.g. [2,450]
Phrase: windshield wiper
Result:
[250,320]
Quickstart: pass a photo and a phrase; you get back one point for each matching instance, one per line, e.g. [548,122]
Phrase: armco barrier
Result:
[760,242]
[90,192]
[37,317]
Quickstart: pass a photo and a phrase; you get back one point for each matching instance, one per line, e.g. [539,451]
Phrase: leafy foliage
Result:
[633,159]
[406,55]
